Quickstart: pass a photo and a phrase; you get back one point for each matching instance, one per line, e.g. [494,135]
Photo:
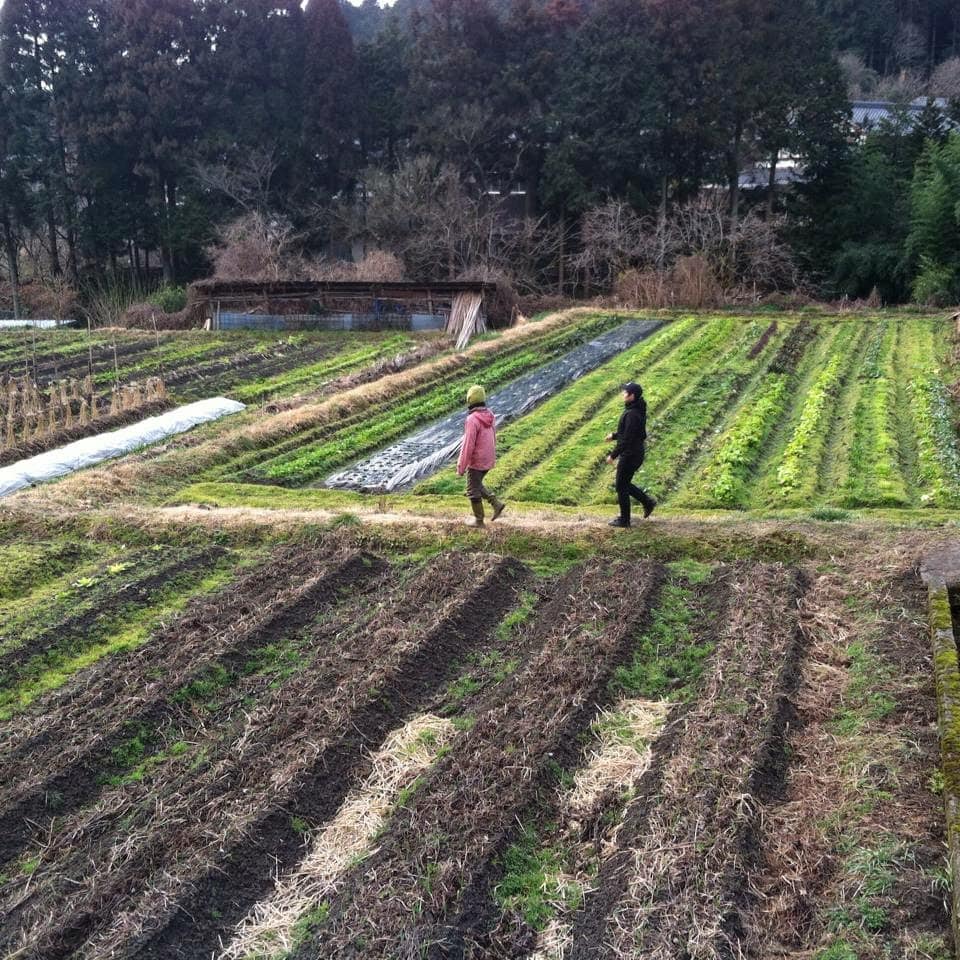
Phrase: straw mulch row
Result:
[119,874]
[678,884]
[404,901]
[138,694]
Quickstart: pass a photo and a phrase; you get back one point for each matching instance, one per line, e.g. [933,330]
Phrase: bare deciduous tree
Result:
[246,181]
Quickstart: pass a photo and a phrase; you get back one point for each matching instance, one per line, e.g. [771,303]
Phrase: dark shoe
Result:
[619,522]
[648,507]
[498,508]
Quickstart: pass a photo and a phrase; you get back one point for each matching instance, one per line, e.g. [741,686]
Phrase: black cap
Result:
[631,387]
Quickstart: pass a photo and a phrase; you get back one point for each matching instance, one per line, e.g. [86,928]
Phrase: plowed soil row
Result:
[406,900]
[52,365]
[224,893]
[205,379]
[678,881]
[49,732]
[80,775]
[489,931]
[152,860]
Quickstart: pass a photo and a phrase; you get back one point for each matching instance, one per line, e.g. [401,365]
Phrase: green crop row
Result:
[314,374]
[682,430]
[874,475]
[798,470]
[938,465]
[530,439]
[305,457]
[723,481]
[565,476]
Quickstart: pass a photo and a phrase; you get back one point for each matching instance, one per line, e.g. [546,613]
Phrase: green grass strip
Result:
[108,610]
[26,566]
[127,637]
[668,659]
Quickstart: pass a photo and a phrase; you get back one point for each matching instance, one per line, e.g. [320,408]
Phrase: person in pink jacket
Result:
[479,454]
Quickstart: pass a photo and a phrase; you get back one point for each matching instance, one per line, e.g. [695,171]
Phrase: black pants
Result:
[627,466]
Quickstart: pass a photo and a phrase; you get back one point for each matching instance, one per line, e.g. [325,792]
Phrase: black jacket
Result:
[632,430]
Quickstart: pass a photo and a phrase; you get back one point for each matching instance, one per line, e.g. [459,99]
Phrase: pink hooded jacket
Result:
[479,441]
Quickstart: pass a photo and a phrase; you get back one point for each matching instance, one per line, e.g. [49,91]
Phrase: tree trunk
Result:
[168,199]
[733,173]
[11,247]
[561,278]
[52,238]
[772,185]
[73,267]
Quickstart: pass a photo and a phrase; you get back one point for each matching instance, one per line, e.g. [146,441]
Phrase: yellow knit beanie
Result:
[476,394]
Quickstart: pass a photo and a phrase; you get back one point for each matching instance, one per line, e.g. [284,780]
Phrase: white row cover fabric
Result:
[23,324]
[115,443]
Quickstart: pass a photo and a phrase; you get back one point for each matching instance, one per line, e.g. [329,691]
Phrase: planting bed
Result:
[748,415]
[408,460]
[340,750]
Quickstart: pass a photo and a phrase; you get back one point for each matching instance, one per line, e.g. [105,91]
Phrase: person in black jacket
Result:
[631,437]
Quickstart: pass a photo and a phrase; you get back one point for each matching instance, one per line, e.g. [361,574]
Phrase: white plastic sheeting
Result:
[115,443]
[23,324]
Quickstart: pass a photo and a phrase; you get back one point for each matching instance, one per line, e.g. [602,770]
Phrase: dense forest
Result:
[564,145]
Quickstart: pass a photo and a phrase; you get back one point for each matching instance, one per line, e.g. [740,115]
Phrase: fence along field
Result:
[343,753]
[752,414]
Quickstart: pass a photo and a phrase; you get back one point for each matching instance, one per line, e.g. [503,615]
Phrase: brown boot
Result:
[477,519]
[498,507]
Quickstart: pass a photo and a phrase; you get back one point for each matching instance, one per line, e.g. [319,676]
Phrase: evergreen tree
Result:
[153,96]
[934,240]
[606,109]
[462,111]
[328,102]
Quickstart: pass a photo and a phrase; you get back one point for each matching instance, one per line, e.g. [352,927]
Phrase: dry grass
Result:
[618,756]
[270,928]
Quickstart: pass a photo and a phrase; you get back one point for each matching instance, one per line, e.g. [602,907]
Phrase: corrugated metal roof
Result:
[868,114]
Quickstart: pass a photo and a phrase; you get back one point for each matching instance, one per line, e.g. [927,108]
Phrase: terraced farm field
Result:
[754,415]
[246,717]
[338,750]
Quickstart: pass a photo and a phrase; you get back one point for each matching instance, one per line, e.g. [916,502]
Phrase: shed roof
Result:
[207,290]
